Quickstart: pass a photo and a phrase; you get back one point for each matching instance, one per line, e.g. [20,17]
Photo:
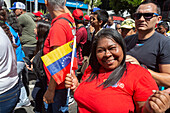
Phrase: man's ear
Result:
[100,23]
[159,19]
[21,10]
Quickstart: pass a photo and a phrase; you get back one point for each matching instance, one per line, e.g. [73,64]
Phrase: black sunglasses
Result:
[158,28]
[147,16]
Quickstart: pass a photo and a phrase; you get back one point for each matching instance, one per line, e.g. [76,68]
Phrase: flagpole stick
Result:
[72,60]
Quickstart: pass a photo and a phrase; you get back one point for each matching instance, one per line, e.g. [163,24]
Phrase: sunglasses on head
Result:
[147,16]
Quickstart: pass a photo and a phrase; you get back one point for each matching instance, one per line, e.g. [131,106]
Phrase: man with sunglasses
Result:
[149,48]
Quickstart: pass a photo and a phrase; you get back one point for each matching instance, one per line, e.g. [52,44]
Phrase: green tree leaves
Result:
[96,3]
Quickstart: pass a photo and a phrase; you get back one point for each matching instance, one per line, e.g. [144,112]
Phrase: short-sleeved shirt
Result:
[81,38]
[150,52]
[135,85]
[59,34]
[28,25]
[19,52]
[8,64]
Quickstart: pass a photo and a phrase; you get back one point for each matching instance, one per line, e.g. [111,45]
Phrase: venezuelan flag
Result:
[58,61]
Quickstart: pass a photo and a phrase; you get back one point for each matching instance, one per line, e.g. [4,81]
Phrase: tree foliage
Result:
[119,6]
[96,3]
[134,3]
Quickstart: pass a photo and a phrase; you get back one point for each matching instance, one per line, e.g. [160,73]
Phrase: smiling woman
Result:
[109,52]
[110,85]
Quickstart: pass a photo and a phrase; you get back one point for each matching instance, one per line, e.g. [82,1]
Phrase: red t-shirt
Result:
[81,38]
[135,85]
[59,34]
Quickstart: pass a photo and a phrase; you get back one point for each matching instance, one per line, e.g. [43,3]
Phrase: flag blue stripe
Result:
[60,63]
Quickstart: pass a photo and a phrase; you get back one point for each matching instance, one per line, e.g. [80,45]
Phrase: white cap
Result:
[18,5]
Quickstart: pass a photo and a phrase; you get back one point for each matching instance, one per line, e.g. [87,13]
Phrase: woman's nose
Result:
[108,53]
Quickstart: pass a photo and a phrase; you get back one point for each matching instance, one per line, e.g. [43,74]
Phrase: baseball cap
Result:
[95,9]
[38,13]
[128,24]
[87,17]
[78,14]
[18,5]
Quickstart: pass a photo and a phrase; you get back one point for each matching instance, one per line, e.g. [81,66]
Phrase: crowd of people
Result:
[123,67]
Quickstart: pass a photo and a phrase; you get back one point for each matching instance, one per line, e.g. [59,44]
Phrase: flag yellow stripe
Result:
[57,54]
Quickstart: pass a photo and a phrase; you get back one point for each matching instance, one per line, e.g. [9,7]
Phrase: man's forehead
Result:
[150,7]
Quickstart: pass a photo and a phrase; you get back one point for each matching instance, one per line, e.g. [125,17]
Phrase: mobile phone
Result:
[27,61]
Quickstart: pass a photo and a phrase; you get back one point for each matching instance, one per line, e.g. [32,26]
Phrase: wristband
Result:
[144,66]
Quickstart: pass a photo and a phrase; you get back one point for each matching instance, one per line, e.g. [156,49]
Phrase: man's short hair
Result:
[102,15]
[154,2]
[165,25]
[57,4]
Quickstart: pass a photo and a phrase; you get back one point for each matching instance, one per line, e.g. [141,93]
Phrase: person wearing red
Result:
[60,33]
[86,20]
[38,15]
[81,33]
[110,85]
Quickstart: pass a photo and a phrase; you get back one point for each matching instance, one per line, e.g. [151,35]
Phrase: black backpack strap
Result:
[64,19]
[73,27]
[80,27]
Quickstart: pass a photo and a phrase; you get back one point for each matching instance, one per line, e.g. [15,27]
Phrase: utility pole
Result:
[30,6]
[92,4]
[36,5]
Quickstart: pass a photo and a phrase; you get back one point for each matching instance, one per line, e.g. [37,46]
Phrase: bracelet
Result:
[144,66]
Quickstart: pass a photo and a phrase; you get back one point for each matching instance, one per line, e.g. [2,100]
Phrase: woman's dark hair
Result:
[13,22]
[3,17]
[115,76]
[102,15]
[42,32]
[154,2]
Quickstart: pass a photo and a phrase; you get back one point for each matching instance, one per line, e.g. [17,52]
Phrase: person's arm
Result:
[159,102]
[162,78]
[50,92]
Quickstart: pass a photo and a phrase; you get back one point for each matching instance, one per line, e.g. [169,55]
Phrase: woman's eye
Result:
[112,48]
[99,51]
